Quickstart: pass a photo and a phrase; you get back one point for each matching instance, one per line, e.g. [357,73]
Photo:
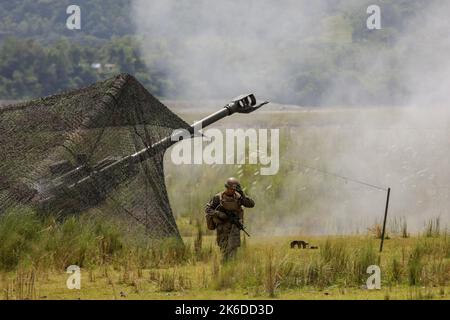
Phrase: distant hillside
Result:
[30,69]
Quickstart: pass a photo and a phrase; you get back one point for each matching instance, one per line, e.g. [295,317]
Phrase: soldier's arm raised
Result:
[244,200]
[247,202]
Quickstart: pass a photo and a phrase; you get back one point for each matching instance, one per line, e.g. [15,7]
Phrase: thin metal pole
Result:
[385,218]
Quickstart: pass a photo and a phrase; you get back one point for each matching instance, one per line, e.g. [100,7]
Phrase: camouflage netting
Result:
[88,129]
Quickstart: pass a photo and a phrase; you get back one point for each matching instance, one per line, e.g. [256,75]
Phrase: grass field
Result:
[117,266]
[271,273]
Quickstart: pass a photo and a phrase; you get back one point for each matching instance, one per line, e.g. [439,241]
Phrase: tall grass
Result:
[365,256]
[433,228]
[415,265]
[30,241]
[21,287]
[31,248]
[198,242]
[19,233]
[396,271]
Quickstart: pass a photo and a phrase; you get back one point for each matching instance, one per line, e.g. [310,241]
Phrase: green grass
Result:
[116,265]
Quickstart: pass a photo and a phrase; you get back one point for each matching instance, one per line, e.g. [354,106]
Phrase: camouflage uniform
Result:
[228,234]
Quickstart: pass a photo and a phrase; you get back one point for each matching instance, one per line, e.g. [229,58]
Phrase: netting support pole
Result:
[385,218]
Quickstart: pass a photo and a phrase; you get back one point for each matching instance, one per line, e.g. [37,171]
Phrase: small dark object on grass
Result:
[314,247]
[299,243]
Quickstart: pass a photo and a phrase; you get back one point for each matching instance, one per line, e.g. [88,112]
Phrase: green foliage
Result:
[46,19]
[86,241]
[395,273]
[19,231]
[30,69]
[32,247]
[39,56]
[365,257]
[415,265]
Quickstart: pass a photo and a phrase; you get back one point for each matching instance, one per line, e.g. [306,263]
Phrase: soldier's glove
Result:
[240,191]
[221,215]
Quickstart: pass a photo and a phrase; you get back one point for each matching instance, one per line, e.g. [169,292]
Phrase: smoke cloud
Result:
[222,48]
[219,49]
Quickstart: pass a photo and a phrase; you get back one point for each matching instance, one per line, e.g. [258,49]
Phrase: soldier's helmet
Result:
[232,183]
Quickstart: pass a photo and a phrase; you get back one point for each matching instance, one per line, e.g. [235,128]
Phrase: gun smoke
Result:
[223,48]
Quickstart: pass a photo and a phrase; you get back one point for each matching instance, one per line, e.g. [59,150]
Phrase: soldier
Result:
[230,200]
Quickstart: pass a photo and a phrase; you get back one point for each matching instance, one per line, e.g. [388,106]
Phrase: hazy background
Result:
[302,52]
[370,105]
[321,53]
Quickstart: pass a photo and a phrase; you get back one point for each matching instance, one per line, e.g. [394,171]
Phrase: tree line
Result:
[30,69]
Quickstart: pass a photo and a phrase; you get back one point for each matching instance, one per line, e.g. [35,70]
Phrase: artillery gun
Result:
[75,188]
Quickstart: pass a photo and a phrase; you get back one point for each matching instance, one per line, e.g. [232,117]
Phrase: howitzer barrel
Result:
[113,172]
[241,104]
